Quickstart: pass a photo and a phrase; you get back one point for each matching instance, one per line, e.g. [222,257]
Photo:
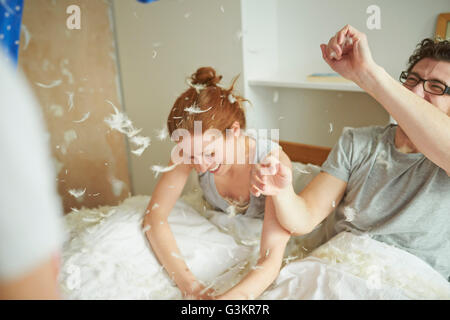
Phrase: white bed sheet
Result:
[107,256]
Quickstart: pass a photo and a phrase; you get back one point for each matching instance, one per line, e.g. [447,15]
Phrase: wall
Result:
[61,63]
[404,23]
[160,45]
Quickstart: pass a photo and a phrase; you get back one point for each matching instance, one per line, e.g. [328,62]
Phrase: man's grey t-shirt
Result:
[398,198]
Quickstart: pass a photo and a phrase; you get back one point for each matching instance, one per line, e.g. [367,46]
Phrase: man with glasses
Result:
[395,178]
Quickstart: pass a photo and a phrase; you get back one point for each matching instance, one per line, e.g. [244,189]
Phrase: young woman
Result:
[224,163]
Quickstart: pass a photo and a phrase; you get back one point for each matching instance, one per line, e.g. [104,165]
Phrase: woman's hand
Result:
[207,294]
[348,54]
[270,177]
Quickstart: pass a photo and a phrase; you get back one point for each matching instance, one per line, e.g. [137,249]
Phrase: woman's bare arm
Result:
[273,243]
[301,213]
[159,234]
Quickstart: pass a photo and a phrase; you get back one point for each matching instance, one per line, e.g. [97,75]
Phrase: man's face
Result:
[430,69]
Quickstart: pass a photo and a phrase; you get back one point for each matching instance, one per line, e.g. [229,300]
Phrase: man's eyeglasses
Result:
[431,86]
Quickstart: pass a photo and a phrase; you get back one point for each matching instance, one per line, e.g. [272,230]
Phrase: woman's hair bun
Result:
[205,76]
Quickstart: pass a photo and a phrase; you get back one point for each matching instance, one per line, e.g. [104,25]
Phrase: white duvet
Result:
[107,256]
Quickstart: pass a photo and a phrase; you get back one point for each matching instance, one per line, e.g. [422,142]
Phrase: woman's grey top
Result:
[256,205]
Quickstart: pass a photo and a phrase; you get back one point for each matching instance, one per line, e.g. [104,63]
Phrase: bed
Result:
[107,256]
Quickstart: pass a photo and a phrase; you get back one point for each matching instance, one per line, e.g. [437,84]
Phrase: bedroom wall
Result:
[73,73]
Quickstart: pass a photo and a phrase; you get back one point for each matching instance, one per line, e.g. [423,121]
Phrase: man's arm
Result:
[301,213]
[423,123]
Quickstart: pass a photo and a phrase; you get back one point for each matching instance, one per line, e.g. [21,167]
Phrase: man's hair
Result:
[428,48]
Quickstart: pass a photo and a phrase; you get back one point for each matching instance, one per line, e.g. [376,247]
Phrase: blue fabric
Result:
[147,1]
[10,21]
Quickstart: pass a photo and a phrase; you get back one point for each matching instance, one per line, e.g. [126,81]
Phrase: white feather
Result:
[290,258]
[158,169]
[77,192]
[194,109]
[257,268]
[197,87]
[84,118]
[249,242]
[231,210]
[162,134]
[349,214]
[66,71]
[120,122]
[141,142]
[70,102]
[5,5]
[26,35]
[51,85]
[176,255]
[302,171]
[275,96]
